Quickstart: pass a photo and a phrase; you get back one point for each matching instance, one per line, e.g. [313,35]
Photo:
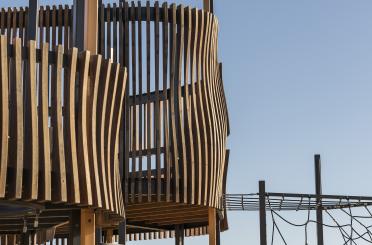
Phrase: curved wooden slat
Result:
[70,127]
[4,100]
[58,153]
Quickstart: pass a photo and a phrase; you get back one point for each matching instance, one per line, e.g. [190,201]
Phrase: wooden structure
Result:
[167,162]
[60,121]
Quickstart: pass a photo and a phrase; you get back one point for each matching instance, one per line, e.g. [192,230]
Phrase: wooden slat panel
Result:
[31,131]
[70,128]
[58,164]
[44,147]
[16,143]
[82,142]
[4,100]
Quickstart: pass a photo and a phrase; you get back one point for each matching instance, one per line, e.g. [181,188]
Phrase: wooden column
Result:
[87,227]
[85,25]
[85,37]
[212,226]
[108,237]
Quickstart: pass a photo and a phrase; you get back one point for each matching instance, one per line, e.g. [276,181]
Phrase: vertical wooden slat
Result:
[101,112]
[31,131]
[127,108]
[179,107]
[45,161]
[16,143]
[60,24]
[54,24]
[47,26]
[41,26]
[14,24]
[134,111]
[9,24]
[102,30]
[187,108]
[2,21]
[114,33]
[94,70]
[4,100]
[82,142]
[148,104]
[59,182]
[172,101]
[108,34]
[140,109]
[66,28]
[204,155]
[157,103]
[167,156]
[111,90]
[70,127]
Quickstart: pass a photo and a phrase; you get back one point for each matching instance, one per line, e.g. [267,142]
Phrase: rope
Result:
[350,237]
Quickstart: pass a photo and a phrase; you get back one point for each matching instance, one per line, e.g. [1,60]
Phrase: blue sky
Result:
[298,79]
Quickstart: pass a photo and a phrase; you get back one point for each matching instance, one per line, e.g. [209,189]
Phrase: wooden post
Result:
[85,25]
[212,226]
[108,237]
[180,235]
[87,227]
[33,19]
[262,204]
[318,192]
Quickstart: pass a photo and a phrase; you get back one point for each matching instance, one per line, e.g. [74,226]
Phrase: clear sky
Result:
[298,79]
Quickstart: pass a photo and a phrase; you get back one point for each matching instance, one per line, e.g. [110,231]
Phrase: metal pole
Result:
[180,235]
[318,192]
[78,23]
[262,203]
[218,230]
[33,19]
[122,232]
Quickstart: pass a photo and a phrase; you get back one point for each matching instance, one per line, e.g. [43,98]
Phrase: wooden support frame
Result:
[87,227]
[212,226]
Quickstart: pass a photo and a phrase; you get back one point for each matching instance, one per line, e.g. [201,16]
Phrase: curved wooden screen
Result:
[60,122]
[176,121]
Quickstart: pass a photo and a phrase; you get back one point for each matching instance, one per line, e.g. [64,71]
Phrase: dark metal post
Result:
[98,235]
[78,24]
[208,5]
[122,232]
[318,191]
[262,203]
[33,19]
[180,235]
[74,236]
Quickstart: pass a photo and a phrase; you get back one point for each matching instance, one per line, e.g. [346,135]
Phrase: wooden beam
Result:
[87,227]
[212,226]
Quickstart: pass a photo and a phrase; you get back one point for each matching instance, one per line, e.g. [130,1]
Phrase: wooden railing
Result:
[60,120]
